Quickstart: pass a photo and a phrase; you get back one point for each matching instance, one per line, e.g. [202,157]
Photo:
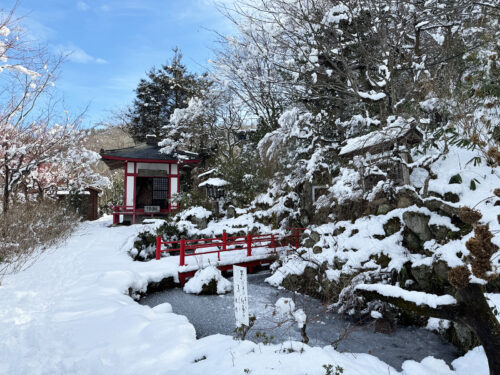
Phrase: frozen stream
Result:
[214,314]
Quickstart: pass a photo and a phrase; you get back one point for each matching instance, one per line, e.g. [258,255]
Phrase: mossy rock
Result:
[317,249]
[384,208]
[306,283]
[493,286]
[412,242]
[440,270]
[451,197]
[382,259]
[210,288]
[404,202]
[417,223]
[433,279]
[461,337]
[353,232]
[439,232]
[338,264]
[312,239]
[404,274]
[392,226]
[423,276]
[338,231]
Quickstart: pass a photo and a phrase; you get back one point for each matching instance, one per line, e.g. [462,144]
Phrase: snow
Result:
[372,95]
[196,211]
[204,277]
[395,130]
[285,308]
[438,325]
[419,298]
[71,312]
[214,181]
[418,177]
[207,173]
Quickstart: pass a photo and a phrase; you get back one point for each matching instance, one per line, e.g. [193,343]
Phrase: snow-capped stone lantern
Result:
[215,191]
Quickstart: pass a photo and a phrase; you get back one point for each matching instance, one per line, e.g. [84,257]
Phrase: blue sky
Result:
[115,42]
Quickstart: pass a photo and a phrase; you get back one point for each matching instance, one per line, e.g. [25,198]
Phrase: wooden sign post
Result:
[240,296]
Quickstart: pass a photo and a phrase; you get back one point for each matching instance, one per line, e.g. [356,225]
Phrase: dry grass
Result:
[28,229]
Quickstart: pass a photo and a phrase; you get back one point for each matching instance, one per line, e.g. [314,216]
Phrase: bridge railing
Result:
[225,243]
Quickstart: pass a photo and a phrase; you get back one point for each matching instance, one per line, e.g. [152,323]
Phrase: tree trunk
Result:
[6,191]
[471,309]
[479,317]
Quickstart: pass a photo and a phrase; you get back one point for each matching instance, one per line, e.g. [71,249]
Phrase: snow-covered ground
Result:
[70,313]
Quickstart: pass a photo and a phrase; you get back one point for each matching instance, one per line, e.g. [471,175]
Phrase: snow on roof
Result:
[214,181]
[392,132]
[207,172]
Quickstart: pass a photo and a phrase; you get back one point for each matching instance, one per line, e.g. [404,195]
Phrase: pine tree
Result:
[158,95]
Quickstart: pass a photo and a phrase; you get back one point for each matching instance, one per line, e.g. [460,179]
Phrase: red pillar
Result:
[249,244]
[183,252]
[224,244]
[158,247]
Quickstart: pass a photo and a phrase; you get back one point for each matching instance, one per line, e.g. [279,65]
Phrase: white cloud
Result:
[78,55]
[83,6]
[36,31]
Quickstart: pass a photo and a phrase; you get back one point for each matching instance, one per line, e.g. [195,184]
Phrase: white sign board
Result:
[240,296]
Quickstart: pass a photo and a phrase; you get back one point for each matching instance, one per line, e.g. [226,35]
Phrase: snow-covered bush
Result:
[208,280]
[285,311]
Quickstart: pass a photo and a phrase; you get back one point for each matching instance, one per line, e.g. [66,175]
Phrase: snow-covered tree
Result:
[209,124]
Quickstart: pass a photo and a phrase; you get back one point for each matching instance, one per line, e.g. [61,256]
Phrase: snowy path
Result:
[70,313]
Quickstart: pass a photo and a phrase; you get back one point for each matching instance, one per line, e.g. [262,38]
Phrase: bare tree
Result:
[33,129]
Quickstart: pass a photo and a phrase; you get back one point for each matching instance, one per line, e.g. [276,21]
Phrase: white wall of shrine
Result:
[132,169]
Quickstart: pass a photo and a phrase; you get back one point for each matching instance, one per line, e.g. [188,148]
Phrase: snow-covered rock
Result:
[208,280]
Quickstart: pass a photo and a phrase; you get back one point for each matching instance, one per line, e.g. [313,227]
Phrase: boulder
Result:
[231,212]
[462,337]
[439,232]
[418,224]
[451,197]
[440,269]
[404,202]
[423,276]
[412,242]
[208,280]
[200,222]
[317,249]
[312,239]
[384,208]
[392,226]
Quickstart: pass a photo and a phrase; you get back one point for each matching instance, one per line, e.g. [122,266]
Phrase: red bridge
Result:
[224,252]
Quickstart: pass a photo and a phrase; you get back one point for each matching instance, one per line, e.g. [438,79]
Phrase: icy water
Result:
[214,314]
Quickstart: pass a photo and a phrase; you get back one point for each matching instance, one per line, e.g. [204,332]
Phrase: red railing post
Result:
[249,245]
[183,252]
[273,243]
[224,244]
[158,247]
